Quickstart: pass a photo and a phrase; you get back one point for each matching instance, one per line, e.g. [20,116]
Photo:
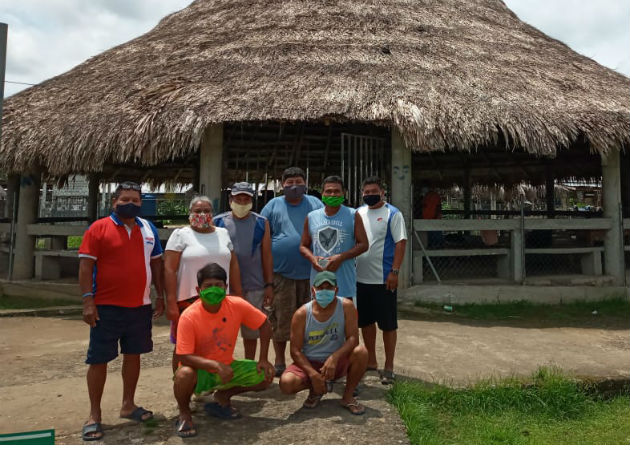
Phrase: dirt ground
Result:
[43,380]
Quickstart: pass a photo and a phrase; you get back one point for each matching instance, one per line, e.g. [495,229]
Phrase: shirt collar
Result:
[119,222]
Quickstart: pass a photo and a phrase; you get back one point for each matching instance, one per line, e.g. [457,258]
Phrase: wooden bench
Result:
[591,257]
[47,264]
[502,254]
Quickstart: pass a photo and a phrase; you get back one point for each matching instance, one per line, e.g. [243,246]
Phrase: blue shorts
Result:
[130,326]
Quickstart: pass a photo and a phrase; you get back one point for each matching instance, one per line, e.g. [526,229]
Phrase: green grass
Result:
[617,308]
[31,303]
[548,408]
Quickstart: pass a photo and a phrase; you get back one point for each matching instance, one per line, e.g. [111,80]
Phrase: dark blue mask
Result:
[127,210]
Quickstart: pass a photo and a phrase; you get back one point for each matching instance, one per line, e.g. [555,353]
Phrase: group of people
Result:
[305,272]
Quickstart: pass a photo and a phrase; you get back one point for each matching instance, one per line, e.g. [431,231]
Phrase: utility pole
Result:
[3,64]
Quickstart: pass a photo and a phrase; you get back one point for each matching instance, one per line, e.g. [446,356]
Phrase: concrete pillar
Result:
[211,164]
[93,191]
[625,182]
[613,242]
[401,197]
[23,263]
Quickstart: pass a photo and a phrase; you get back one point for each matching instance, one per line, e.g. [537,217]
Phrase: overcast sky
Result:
[49,37]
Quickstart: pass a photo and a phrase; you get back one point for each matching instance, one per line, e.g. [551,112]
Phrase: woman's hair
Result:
[211,272]
[200,198]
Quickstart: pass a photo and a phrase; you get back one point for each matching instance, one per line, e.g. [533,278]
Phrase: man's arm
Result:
[352,340]
[298,323]
[197,362]
[157,275]
[235,276]
[171,265]
[305,247]
[399,254]
[361,245]
[267,265]
[86,273]
[263,359]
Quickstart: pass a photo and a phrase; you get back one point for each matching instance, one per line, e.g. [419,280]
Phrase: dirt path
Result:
[43,384]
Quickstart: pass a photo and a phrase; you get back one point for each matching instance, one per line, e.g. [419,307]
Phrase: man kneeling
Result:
[206,336]
[325,346]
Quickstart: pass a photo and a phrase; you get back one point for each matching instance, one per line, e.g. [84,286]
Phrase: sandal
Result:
[312,401]
[89,430]
[387,377]
[354,407]
[185,429]
[222,412]
[138,415]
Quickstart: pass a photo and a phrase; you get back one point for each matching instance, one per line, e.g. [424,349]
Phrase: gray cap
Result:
[242,187]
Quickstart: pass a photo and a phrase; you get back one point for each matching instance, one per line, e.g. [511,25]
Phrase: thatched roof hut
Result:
[448,74]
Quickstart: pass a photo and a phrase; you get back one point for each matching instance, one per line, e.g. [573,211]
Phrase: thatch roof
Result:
[449,74]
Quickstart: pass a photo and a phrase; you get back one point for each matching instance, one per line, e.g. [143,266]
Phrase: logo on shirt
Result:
[379,219]
[149,240]
[328,238]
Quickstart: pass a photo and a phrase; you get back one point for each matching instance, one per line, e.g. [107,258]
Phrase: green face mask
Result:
[332,201]
[212,295]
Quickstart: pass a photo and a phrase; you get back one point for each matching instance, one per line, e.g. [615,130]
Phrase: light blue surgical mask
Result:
[324,297]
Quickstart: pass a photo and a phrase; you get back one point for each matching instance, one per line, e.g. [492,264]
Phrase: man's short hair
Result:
[372,180]
[293,172]
[211,271]
[333,179]
[127,186]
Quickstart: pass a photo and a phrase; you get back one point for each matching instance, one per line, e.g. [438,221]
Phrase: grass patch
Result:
[617,308]
[33,303]
[548,408]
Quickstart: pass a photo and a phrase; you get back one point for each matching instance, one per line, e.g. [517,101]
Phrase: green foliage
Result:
[173,207]
[547,408]
[74,241]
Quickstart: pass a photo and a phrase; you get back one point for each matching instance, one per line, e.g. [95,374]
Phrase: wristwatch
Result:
[395,271]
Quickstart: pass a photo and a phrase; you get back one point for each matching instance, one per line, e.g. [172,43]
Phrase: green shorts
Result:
[245,375]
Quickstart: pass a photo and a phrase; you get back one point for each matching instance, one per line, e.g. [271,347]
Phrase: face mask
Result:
[295,192]
[127,210]
[371,200]
[200,220]
[324,297]
[332,200]
[240,210]
[212,295]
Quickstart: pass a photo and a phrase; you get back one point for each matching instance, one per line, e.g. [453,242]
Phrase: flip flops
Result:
[387,377]
[355,408]
[185,429]
[222,412]
[90,429]
[312,401]
[137,415]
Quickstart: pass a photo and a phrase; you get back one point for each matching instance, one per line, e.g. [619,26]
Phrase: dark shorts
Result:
[340,371]
[130,326]
[376,304]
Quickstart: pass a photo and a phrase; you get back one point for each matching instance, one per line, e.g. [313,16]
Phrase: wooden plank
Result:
[467,252]
[563,251]
[568,224]
[64,253]
[45,229]
[465,225]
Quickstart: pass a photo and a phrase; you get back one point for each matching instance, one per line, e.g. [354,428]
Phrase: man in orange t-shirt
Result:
[206,337]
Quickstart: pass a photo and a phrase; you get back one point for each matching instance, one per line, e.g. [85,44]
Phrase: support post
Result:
[613,241]
[93,191]
[401,197]
[625,183]
[24,263]
[550,187]
[211,164]
[467,192]
[13,188]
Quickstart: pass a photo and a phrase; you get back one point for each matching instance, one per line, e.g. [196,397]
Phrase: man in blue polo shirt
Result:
[119,257]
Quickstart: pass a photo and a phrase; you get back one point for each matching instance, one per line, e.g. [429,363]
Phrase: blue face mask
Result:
[324,297]
[127,210]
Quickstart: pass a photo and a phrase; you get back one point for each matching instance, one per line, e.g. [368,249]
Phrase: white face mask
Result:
[240,210]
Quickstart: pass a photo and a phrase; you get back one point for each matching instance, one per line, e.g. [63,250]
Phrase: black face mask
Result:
[127,211]
[295,192]
[371,200]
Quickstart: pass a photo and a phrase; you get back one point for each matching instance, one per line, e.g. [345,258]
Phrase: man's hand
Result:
[391,284]
[318,383]
[225,372]
[329,368]
[268,296]
[90,313]
[267,367]
[315,264]
[159,308]
[172,311]
[334,262]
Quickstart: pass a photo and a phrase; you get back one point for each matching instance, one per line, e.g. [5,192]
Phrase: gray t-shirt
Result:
[246,236]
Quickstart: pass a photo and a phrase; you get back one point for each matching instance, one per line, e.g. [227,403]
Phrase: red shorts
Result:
[342,369]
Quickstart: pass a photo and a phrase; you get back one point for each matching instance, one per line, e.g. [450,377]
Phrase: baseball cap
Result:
[324,276]
[242,187]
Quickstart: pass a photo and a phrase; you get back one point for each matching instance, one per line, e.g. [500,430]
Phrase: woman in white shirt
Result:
[187,251]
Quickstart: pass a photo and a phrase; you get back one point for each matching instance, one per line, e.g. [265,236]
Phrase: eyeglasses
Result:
[129,186]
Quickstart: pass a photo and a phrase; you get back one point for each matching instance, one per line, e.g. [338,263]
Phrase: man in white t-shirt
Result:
[377,273]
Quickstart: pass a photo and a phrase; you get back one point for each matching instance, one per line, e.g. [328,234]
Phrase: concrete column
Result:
[625,182]
[93,191]
[401,197]
[211,164]
[613,242]
[23,263]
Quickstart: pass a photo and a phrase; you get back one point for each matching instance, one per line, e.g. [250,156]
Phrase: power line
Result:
[20,82]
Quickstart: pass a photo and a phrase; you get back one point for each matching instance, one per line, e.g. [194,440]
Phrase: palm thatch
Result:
[448,74]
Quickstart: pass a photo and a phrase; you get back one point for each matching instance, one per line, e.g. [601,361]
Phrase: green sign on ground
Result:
[41,437]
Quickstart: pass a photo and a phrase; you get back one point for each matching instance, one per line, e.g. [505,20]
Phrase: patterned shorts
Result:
[288,296]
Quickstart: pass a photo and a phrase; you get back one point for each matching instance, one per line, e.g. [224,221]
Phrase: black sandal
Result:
[91,429]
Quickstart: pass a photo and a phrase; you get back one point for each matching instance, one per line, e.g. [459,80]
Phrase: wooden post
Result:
[211,164]
[24,264]
[93,191]
[467,193]
[401,197]
[613,241]
[550,191]
[13,189]
[625,183]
